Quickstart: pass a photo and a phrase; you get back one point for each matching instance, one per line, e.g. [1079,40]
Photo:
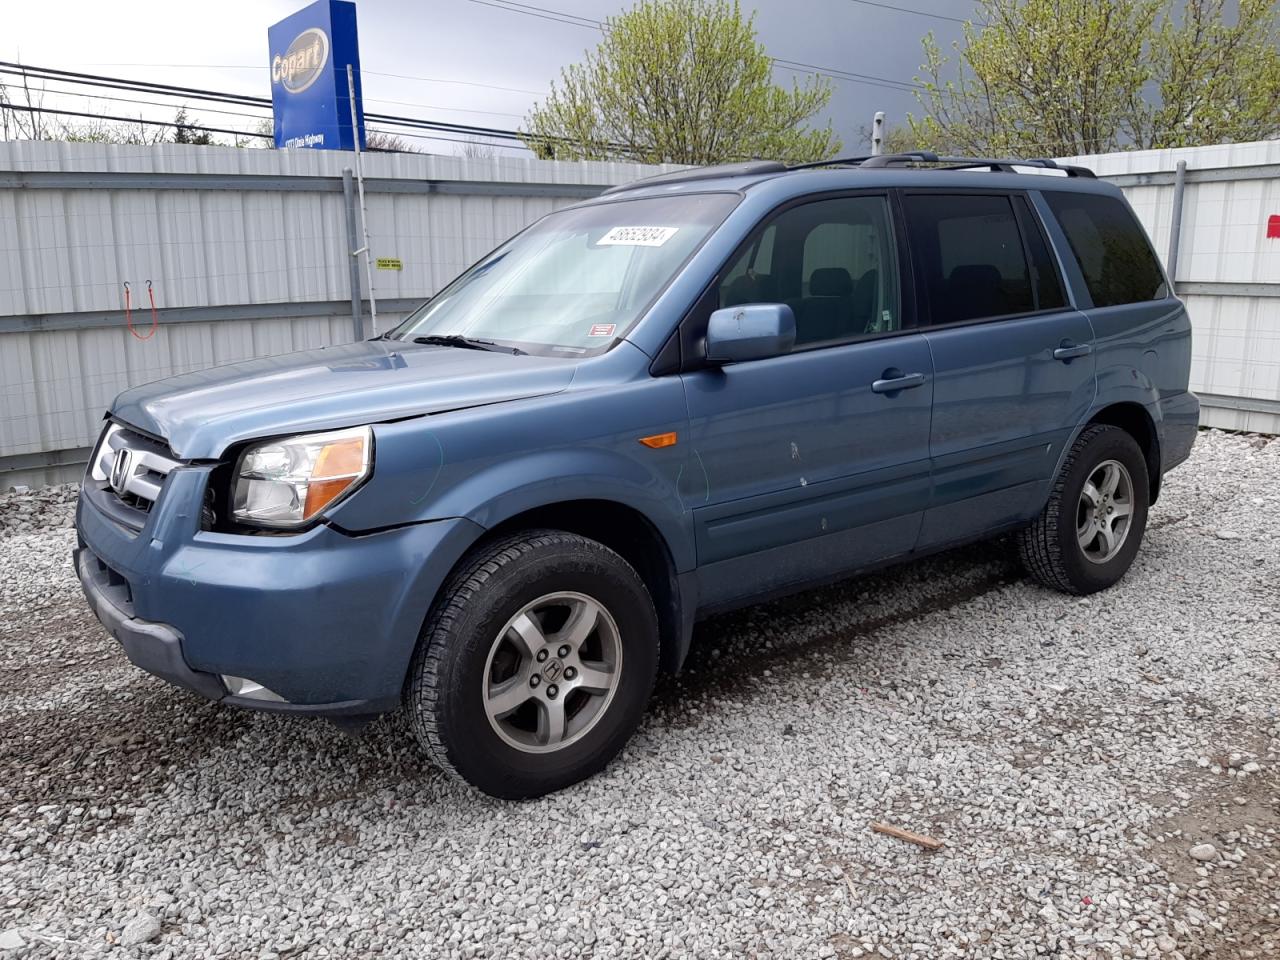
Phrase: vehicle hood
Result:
[201,414]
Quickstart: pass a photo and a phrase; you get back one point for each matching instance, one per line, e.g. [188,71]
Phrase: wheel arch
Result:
[634,537]
[1135,420]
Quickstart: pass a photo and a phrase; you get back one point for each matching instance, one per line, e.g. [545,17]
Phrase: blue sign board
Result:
[309,55]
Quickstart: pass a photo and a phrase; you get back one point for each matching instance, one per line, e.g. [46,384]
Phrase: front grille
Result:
[132,466]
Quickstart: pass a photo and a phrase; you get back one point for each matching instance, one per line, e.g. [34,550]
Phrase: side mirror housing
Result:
[752,331]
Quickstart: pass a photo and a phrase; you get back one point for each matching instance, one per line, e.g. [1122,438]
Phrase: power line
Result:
[363,72]
[573,20]
[904,86]
[144,103]
[918,13]
[543,13]
[235,133]
[147,123]
[186,93]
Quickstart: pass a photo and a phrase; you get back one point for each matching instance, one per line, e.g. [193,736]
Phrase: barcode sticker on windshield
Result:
[637,236]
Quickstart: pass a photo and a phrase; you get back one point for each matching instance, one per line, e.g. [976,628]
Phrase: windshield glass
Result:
[575,281]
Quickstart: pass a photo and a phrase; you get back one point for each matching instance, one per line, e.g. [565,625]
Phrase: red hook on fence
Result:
[128,312]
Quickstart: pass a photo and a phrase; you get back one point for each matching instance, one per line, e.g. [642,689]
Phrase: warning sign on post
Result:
[389,263]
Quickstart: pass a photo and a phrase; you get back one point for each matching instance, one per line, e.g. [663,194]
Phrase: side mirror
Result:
[752,331]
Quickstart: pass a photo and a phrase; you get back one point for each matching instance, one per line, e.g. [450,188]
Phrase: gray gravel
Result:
[1102,771]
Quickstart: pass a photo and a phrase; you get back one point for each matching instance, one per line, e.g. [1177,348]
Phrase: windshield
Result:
[575,281]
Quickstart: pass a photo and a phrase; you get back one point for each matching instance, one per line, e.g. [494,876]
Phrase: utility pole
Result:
[364,211]
[877,134]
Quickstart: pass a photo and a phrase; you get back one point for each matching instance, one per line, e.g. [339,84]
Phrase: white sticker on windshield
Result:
[637,236]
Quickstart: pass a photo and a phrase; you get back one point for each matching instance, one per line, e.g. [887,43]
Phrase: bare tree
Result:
[130,132]
[21,118]
[476,149]
[379,141]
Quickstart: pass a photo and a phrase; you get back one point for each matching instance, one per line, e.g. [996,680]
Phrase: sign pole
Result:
[364,213]
[353,261]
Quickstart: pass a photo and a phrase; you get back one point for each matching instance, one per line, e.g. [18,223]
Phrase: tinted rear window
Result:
[1110,247]
[969,250]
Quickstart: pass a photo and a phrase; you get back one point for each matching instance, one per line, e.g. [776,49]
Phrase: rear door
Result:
[806,465]
[1013,364]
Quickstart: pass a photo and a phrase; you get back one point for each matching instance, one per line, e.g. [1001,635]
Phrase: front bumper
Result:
[154,647]
[325,619]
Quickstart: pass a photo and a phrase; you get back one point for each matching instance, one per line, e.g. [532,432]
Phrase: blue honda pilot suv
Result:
[689,394]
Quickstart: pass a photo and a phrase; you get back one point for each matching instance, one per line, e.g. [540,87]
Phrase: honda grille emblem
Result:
[120,470]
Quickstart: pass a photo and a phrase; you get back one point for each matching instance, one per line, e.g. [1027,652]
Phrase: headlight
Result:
[285,483]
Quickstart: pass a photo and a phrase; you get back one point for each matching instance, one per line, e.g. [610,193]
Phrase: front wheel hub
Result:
[552,672]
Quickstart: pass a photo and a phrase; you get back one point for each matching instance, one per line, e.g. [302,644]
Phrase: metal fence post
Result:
[349,195]
[877,134]
[1175,228]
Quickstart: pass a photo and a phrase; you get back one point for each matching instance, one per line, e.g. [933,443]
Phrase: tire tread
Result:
[423,696]
[1040,545]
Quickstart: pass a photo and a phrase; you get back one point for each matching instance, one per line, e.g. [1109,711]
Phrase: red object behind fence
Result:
[1273,227]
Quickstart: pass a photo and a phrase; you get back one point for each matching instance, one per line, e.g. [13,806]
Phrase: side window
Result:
[970,253]
[832,261]
[1110,247]
[1044,272]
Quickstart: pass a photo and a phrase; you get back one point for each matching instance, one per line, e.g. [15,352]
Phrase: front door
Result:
[804,466]
[1013,364]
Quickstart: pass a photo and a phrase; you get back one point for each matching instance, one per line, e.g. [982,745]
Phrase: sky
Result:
[464,61]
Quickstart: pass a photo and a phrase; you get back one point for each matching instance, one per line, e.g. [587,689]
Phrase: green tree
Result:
[183,133]
[1068,77]
[680,81]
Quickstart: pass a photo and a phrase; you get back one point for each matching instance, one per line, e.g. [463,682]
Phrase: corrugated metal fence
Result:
[1227,270]
[247,253]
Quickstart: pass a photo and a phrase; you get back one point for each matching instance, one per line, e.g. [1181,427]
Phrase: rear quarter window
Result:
[1110,247]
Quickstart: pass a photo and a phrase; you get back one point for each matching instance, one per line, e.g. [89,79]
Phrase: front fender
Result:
[490,464]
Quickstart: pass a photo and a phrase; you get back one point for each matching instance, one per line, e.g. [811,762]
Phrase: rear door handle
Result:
[895,380]
[1069,351]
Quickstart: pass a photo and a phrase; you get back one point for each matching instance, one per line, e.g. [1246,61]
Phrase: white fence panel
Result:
[245,252]
[1228,269]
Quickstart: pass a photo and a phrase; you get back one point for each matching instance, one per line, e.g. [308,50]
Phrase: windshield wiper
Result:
[467,343]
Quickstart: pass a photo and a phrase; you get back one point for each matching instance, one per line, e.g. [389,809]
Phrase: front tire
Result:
[1086,537]
[534,667]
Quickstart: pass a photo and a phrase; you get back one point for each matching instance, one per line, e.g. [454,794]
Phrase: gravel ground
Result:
[1104,772]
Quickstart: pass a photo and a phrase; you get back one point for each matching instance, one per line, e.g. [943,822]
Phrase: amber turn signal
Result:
[659,440]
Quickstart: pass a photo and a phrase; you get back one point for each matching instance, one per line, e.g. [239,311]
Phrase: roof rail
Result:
[703,173]
[1004,165]
[833,162]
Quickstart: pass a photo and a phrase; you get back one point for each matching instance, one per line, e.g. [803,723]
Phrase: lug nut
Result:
[564,651]
[552,691]
[542,656]
[535,680]
[570,673]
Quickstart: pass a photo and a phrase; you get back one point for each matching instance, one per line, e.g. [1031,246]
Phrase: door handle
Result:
[895,380]
[1069,351]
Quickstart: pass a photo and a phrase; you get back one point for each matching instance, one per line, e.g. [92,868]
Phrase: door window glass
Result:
[970,253]
[832,261]
[1110,247]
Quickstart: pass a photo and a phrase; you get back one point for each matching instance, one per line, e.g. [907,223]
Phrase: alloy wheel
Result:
[1105,511]
[552,671]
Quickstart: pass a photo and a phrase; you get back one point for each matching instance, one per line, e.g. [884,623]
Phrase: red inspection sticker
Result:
[602,329]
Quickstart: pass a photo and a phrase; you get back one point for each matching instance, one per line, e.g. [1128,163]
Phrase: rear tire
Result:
[534,667]
[1086,537]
